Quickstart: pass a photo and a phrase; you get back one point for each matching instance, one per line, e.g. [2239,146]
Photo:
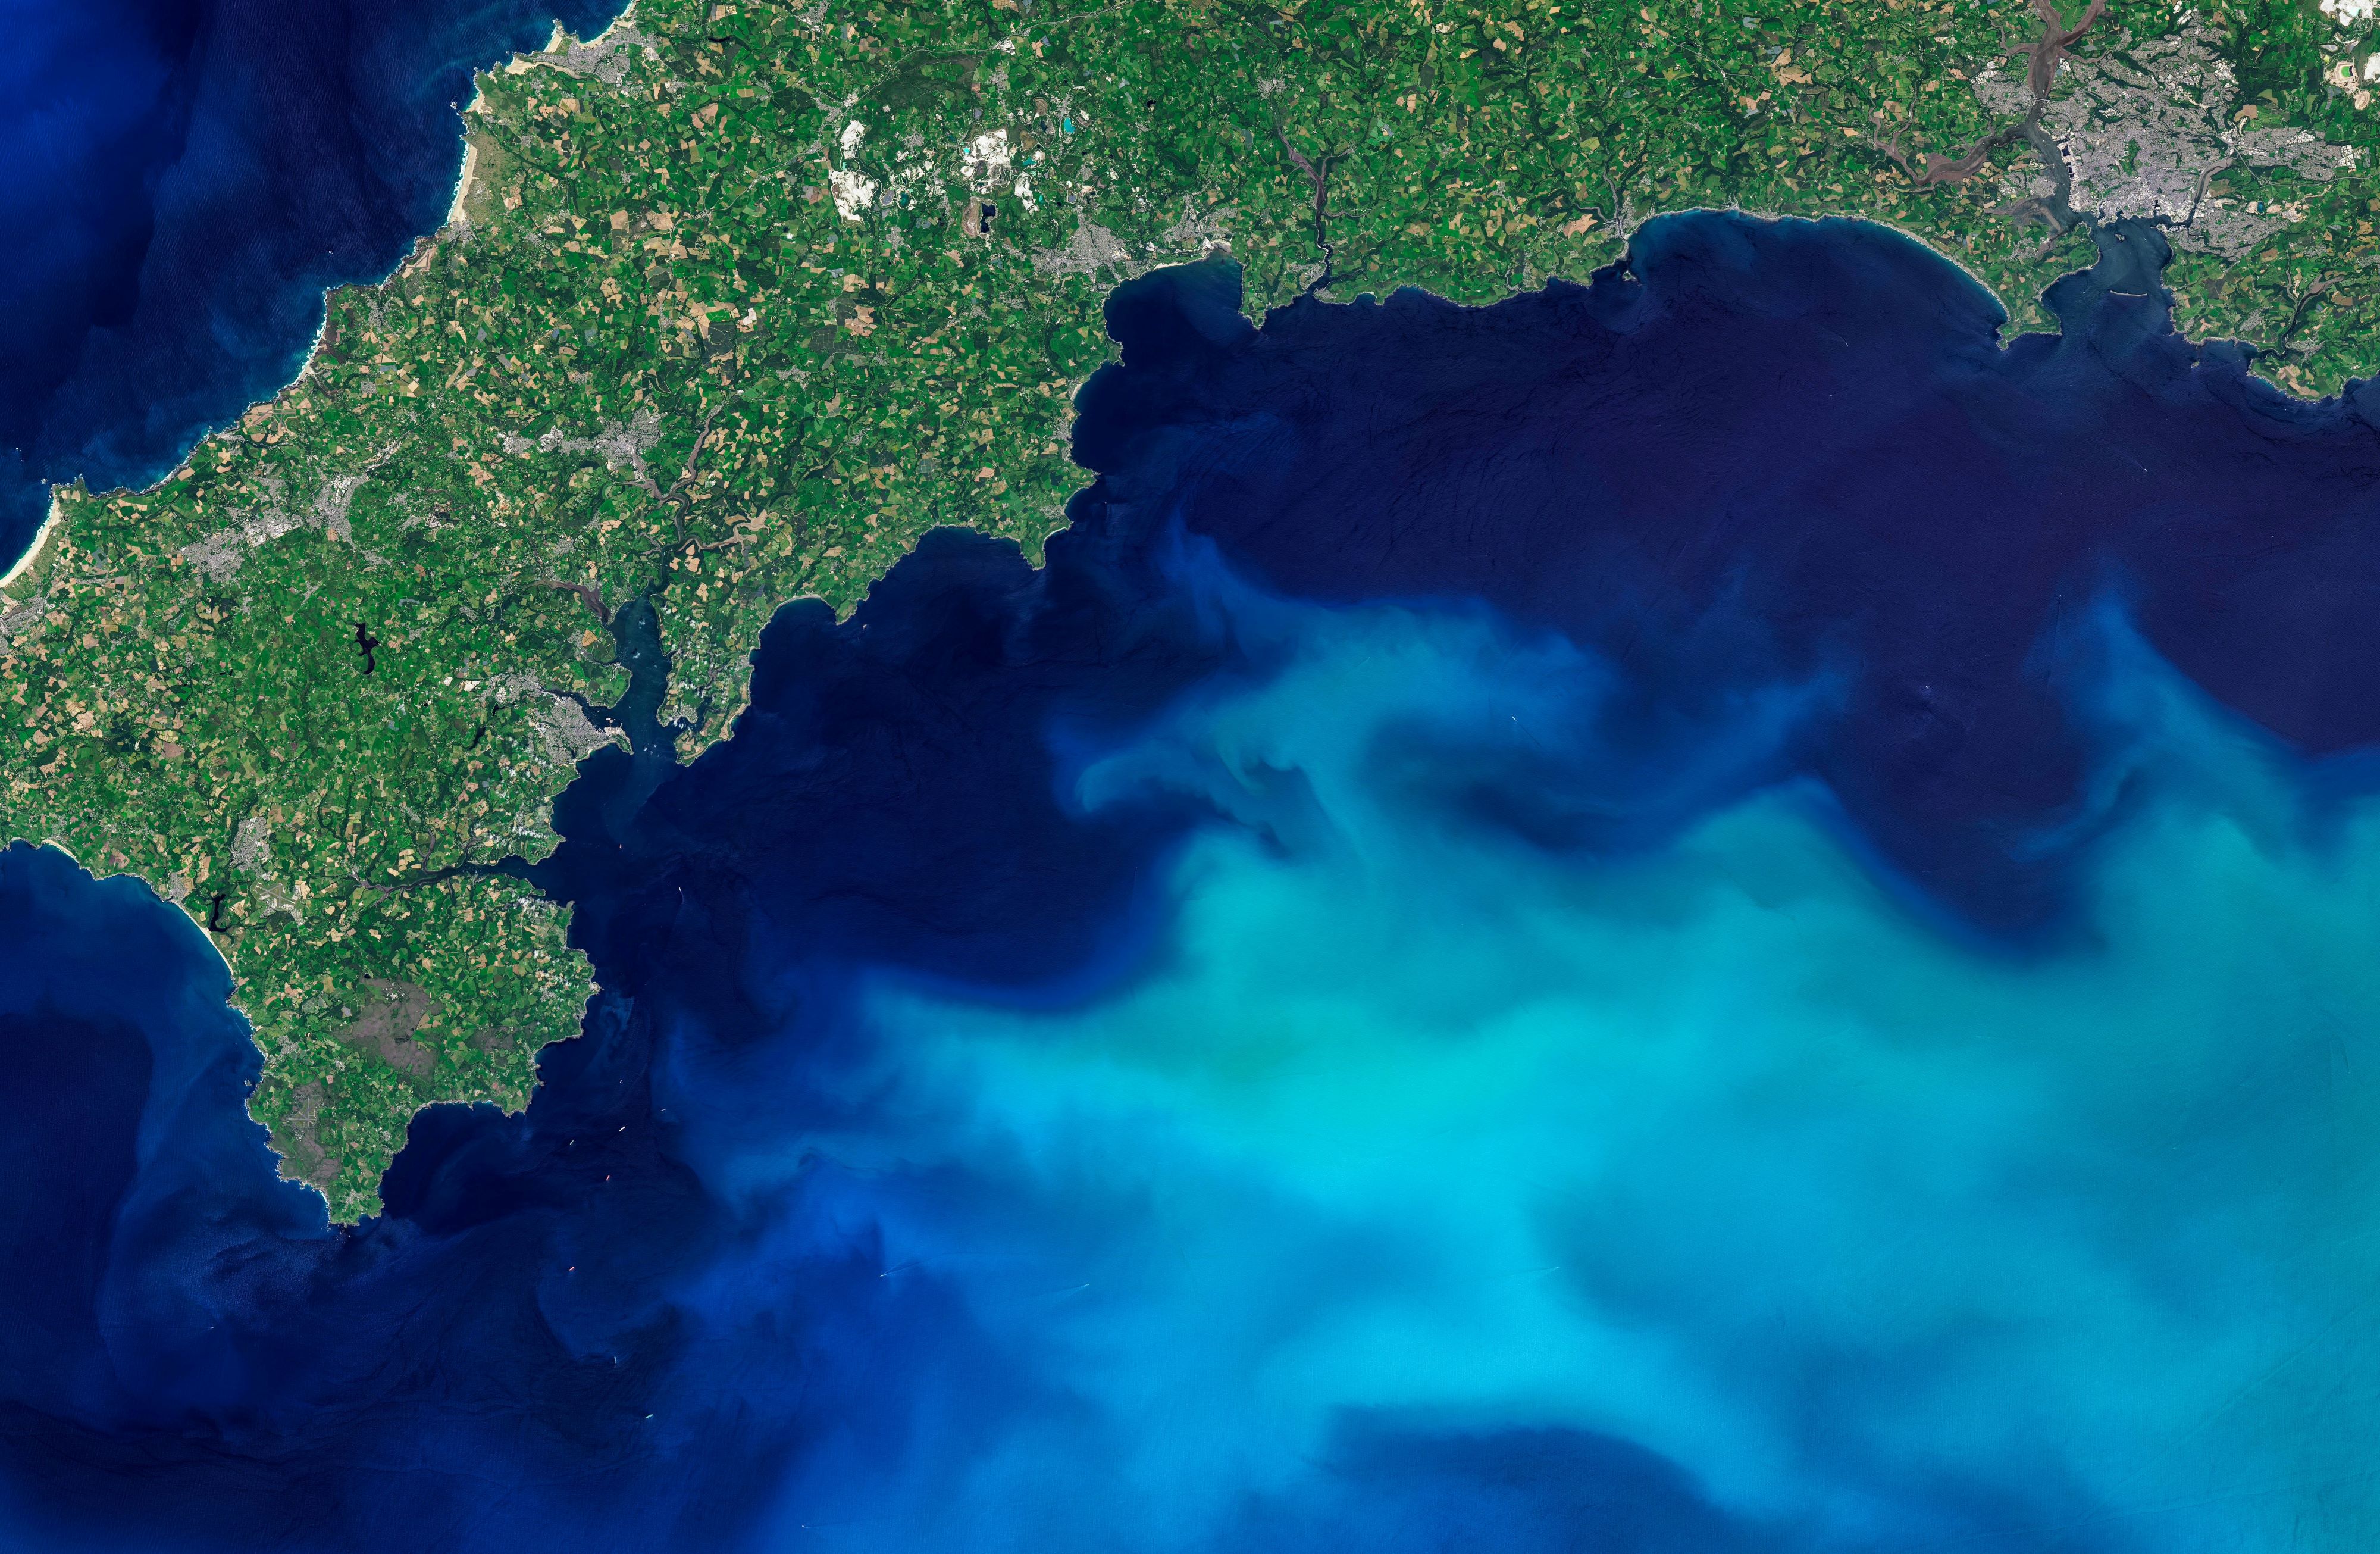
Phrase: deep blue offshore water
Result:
[185,177]
[1702,913]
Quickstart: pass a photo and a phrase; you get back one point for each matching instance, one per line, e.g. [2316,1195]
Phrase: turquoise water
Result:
[1704,915]
[1886,1239]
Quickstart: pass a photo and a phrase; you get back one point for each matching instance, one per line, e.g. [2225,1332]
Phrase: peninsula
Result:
[738,299]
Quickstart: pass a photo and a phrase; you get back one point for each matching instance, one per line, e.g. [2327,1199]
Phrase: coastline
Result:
[463,179]
[2009,329]
[53,523]
[2197,342]
[43,539]
[1928,244]
[1627,235]
[428,244]
[231,999]
[559,40]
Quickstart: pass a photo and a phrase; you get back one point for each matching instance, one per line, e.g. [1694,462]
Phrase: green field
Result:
[744,298]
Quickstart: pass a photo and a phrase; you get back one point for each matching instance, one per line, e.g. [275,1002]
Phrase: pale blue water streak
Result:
[1885,1240]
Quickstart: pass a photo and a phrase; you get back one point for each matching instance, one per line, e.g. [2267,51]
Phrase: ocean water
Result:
[185,177]
[1705,912]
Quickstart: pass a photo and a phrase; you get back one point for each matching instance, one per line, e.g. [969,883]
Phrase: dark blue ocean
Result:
[1708,911]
